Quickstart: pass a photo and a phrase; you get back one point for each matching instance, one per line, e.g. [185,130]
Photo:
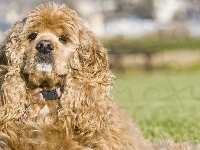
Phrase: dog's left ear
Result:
[91,56]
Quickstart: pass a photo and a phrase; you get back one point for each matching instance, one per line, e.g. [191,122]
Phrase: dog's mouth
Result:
[49,94]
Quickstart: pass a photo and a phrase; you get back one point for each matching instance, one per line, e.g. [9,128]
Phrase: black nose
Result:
[44,46]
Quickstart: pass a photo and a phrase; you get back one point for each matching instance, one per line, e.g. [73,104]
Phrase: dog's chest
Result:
[40,110]
[45,110]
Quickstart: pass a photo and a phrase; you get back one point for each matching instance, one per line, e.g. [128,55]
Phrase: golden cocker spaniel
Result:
[55,88]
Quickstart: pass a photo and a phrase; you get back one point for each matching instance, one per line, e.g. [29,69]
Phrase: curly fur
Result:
[85,117]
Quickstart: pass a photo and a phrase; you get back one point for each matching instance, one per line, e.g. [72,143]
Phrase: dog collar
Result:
[49,95]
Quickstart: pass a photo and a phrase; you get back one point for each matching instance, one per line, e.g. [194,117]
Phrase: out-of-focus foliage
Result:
[151,43]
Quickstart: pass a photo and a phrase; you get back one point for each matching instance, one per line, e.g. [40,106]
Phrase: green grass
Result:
[165,105]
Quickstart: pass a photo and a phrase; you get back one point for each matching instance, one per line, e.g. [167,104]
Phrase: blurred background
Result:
[154,50]
[139,33]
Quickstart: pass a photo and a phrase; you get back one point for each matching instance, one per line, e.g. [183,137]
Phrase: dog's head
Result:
[49,44]
[50,35]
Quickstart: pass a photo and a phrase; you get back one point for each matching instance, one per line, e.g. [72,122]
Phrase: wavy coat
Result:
[85,117]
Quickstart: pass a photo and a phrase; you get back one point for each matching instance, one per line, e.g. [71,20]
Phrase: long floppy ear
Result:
[87,88]
[13,87]
[91,57]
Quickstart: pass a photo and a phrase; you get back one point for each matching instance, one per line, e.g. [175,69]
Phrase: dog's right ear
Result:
[11,44]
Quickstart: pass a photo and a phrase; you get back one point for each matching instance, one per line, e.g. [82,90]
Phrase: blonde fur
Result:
[85,117]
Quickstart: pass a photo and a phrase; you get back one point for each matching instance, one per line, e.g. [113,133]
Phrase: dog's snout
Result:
[44,46]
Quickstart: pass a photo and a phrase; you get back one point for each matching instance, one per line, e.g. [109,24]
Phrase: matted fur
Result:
[85,117]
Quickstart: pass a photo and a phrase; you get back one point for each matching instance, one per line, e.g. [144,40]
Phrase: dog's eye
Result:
[63,39]
[32,36]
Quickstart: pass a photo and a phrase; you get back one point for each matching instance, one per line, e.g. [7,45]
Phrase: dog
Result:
[56,88]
